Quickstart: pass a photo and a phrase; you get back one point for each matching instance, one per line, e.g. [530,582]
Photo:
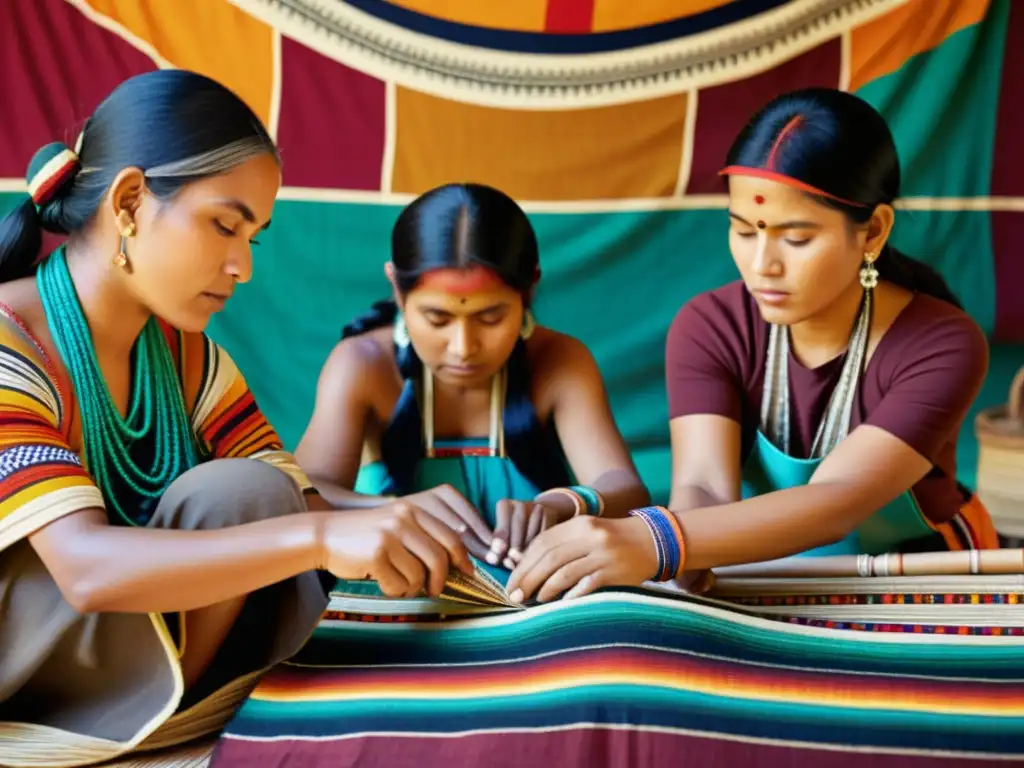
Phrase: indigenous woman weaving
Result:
[453,398]
[815,404]
[158,548]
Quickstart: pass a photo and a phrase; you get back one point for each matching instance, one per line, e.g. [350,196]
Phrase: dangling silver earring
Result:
[529,325]
[401,333]
[868,273]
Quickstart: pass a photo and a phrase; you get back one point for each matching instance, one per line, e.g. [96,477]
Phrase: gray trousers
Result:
[77,689]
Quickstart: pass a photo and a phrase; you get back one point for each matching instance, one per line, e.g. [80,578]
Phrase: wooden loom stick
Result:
[964,563]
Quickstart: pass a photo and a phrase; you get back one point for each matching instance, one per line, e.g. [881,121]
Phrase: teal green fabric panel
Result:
[317,267]
[959,245]
[942,107]
[615,280]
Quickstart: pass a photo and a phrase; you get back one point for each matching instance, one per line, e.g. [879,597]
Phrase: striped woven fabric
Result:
[631,679]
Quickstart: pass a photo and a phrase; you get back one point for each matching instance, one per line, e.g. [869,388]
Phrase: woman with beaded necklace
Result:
[815,404]
[451,396]
[158,547]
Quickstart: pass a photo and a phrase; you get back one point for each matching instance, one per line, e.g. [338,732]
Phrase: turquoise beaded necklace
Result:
[157,408]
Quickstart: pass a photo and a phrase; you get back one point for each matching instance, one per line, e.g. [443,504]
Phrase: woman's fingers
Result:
[569,577]
[433,556]
[502,531]
[540,563]
[537,523]
[437,507]
[465,511]
[517,533]
[454,546]
[413,571]
[390,580]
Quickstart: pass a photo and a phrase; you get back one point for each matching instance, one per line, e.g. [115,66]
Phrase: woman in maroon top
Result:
[815,404]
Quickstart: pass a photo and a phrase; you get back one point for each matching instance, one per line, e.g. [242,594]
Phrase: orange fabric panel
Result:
[882,46]
[519,15]
[211,37]
[980,522]
[621,151]
[626,14]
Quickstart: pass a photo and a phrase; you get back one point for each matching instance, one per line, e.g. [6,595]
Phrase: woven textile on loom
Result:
[913,671]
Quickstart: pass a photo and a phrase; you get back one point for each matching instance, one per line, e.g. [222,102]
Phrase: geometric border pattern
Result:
[527,70]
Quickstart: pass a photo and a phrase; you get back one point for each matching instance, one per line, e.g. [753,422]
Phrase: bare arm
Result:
[705,461]
[100,567]
[331,448]
[593,445]
[863,473]
[867,470]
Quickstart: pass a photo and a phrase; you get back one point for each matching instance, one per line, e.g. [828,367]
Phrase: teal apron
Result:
[770,467]
[476,467]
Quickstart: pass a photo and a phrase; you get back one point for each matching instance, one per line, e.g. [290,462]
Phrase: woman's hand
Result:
[518,524]
[402,548]
[584,554]
[451,508]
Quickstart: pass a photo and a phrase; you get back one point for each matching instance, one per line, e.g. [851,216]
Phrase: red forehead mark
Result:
[761,224]
[759,199]
[462,281]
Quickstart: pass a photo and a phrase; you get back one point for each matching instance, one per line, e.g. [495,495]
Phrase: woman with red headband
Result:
[452,397]
[815,403]
[158,547]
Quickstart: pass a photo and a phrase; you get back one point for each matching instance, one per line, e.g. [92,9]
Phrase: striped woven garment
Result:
[634,678]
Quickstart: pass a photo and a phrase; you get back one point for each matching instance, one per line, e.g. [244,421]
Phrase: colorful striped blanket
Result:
[637,678]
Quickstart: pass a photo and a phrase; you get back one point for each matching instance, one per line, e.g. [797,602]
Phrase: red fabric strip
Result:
[569,16]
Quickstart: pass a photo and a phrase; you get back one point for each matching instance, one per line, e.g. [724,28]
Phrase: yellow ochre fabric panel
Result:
[211,37]
[622,151]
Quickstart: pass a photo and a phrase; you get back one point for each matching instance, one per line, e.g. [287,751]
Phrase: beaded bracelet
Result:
[668,541]
[578,501]
[593,499]
[586,500]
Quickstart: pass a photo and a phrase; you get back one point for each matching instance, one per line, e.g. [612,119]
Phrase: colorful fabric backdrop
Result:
[607,119]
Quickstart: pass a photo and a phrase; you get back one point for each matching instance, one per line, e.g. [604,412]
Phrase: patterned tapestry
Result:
[607,119]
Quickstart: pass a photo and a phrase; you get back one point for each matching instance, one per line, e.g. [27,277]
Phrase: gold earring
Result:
[529,325]
[868,273]
[121,257]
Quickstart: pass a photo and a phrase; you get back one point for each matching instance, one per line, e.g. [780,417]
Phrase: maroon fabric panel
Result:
[1008,168]
[1008,256]
[1008,179]
[722,111]
[331,126]
[590,747]
[55,66]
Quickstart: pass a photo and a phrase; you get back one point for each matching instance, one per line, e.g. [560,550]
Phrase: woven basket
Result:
[1000,432]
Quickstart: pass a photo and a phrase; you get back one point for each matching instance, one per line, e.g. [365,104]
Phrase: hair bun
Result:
[49,171]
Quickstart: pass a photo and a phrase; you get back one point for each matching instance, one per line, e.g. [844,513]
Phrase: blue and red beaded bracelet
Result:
[668,541]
